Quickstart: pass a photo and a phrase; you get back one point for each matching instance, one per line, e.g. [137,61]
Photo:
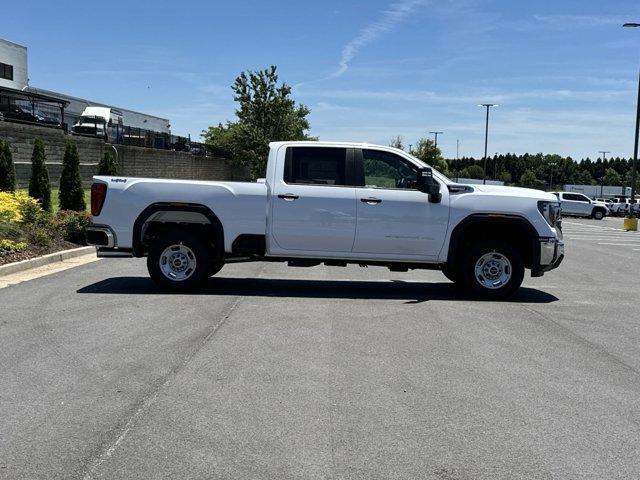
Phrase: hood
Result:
[515,192]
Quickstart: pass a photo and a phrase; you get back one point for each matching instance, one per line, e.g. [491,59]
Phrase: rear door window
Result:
[316,166]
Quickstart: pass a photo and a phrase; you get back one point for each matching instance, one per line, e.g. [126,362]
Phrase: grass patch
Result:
[54,197]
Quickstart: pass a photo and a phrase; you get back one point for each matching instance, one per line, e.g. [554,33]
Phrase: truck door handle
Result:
[371,200]
[288,197]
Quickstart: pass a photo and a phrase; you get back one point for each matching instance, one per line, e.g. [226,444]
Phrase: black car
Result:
[46,118]
[16,112]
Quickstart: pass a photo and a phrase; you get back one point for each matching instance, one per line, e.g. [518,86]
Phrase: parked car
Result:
[331,203]
[579,205]
[46,118]
[11,111]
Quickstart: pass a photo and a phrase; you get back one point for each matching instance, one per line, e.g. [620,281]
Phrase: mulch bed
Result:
[33,251]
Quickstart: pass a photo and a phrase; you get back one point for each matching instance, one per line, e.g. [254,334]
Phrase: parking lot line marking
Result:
[33,273]
[620,244]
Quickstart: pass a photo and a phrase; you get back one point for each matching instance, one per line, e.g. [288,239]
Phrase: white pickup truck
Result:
[331,203]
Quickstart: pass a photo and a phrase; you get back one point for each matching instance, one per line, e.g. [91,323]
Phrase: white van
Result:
[98,121]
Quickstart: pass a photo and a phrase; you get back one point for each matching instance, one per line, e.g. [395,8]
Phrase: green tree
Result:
[39,186]
[611,177]
[528,179]
[266,113]
[504,177]
[584,178]
[71,195]
[107,165]
[427,151]
[474,171]
[397,142]
[7,168]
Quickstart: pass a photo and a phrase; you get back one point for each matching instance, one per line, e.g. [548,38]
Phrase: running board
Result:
[113,253]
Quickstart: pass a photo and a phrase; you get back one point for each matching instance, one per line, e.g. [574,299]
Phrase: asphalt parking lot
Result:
[277,372]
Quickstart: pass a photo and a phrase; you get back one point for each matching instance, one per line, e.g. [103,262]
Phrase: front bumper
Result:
[550,255]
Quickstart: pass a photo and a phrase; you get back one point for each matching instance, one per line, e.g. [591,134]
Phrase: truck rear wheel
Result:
[492,269]
[179,262]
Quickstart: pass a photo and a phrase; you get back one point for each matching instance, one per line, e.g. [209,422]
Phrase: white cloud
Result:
[567,21]
[396,14]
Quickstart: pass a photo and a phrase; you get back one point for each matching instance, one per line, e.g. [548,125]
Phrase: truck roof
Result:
[319,143]
[102,112]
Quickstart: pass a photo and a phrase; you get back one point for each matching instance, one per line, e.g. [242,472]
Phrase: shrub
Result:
[39,186]
[39,235]
[7,168]
[9,208]
[12,246]
[71,195]
[72,226]
[10,231]
[30,210]
[107,165]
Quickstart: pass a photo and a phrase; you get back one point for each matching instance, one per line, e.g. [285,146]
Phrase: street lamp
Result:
[436,138]
[635,147]
[486,139]
[604,159]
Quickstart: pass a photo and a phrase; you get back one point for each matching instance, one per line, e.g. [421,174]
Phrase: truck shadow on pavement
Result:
[413,292]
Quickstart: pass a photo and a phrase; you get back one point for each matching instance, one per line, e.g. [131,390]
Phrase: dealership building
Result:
[15,88]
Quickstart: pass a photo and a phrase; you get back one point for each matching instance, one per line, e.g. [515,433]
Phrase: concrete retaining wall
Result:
[132,161]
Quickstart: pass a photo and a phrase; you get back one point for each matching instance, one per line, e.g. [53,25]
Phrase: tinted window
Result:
[316,166]
[572,196]
[387,170]
[6,71]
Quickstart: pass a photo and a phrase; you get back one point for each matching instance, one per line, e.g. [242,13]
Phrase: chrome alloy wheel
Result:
[493,270]
[177,262]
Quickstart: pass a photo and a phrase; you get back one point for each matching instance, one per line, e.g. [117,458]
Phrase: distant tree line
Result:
[545,170]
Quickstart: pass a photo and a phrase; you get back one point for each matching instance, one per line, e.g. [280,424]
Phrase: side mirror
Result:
[426,184]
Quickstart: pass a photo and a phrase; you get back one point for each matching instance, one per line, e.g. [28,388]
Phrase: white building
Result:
[13,65]
[13,75]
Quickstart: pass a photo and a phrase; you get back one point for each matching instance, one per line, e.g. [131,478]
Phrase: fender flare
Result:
[138,247]
[457,235]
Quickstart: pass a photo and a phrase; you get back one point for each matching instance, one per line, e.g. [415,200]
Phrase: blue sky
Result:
[564,72]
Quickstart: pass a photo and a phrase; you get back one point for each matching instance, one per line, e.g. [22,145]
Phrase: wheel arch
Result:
[484,226]
[183,213]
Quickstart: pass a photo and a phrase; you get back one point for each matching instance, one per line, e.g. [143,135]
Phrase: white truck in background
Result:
[331,203]
[98,121]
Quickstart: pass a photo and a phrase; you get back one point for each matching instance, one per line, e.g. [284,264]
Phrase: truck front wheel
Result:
[492,269]
[179,262]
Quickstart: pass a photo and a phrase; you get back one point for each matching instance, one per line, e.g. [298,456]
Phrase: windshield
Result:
[97,120]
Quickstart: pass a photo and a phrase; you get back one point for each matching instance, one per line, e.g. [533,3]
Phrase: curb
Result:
[45,260]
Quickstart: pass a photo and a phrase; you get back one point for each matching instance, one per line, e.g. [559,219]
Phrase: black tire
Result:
[450,274]
[501,250]
[198,249]
[215,267]
[598,213]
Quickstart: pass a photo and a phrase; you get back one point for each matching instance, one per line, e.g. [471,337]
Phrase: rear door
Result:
[394,218]
[314,201]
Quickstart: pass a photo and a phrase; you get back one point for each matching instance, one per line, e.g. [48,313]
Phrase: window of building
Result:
[6,71]
[388,170]
[316,166]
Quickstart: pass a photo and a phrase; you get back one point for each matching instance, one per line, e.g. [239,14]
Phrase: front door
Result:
[394,218]
[314,204]
[575,204]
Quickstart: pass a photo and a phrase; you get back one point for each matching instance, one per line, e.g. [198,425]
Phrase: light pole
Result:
[436,138]
[604,157]
[635,147]
[486,139]
[458,149]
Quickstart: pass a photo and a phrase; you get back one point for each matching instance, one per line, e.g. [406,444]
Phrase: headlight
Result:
[551,212]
